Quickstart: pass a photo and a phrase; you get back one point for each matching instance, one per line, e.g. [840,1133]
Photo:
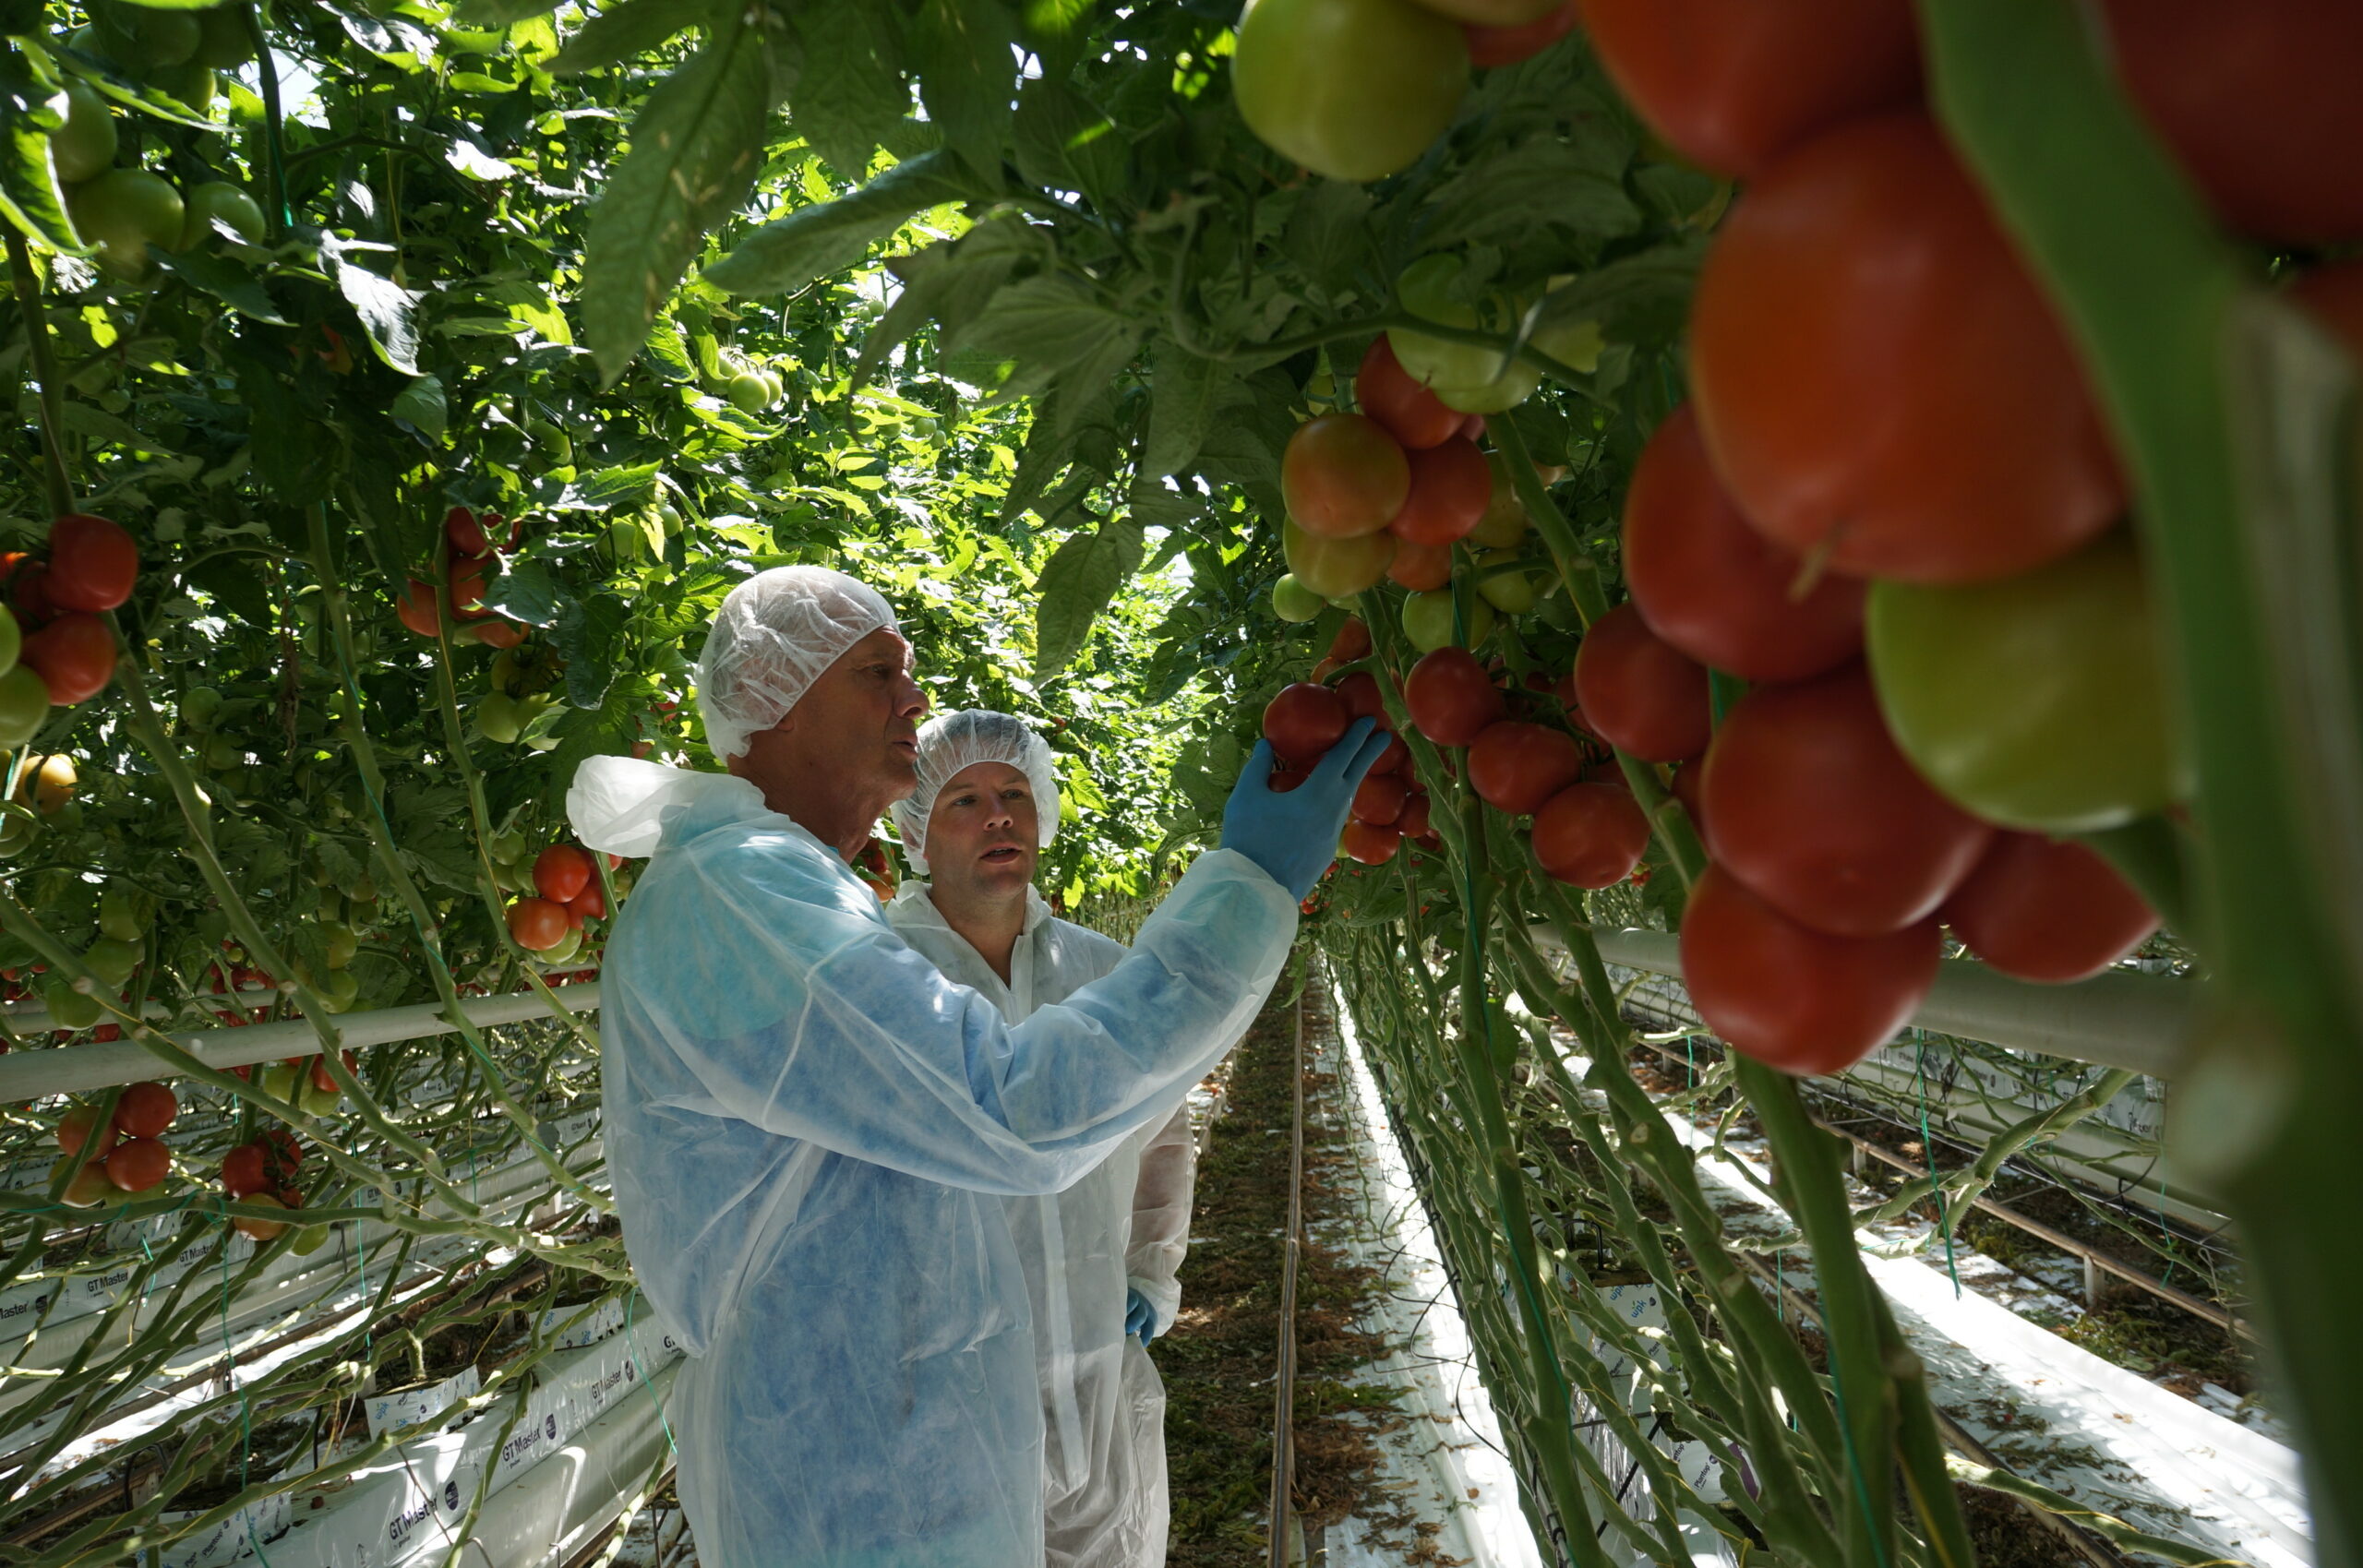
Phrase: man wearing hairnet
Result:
[814,1133]
[1100,1257]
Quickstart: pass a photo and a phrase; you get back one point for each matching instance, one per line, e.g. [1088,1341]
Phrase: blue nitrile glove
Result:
[1140,1318]
[1294,835]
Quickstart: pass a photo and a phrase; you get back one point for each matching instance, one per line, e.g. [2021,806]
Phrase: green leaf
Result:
[485,13]
[812,242]
[236,586]
[30,196]
[1643,299]
[292,456]
[967,74]
[1184,390]
[1077,583]
[949,283]
[1064,142]
[383,305]
[665,355]
[623,32]
[527,592]
[851,95]
[225,278]
[696,148]
[609,487]
[1543,184]
[590,634]
[1329,233]
[1057,334]
[422,404]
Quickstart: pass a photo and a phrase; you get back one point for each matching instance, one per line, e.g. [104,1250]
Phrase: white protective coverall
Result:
[813,1135]
[1126,1224]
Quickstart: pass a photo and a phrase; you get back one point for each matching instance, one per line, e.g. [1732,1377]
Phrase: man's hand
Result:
[1294,835]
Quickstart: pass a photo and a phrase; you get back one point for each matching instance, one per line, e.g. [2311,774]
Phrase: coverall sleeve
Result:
[1161,1201]
[765,972]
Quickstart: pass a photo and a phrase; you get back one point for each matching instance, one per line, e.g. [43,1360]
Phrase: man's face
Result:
[863,714]
[984,836]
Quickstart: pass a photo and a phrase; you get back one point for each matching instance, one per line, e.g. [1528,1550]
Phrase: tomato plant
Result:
[1817,812]
[1879,382]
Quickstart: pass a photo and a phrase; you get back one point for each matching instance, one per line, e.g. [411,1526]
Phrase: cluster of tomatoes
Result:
[472,552]
[262,1173]
[1309,717]
[567,892]
[55,645]
[129,1154]
[1893,507]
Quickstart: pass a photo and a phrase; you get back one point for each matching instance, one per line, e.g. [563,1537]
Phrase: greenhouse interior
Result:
[975,784]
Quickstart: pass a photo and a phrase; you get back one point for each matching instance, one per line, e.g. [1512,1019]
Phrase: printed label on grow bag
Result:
[413,1406]
[229,1539]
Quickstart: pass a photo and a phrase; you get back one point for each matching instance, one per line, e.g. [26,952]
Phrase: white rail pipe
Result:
[77,1069]
[2117,1018]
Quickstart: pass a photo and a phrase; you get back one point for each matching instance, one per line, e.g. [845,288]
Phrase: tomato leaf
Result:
[623,33]
[1075,584]
[852,94]
[1184,390]
[383,304]
[1054,330]
[487,13]
[788,253]
[526,592]
[589,634]
[1064,142]
[422,404]
[226,278]
[696,148]
[967,74]
[611,487]
[30,196]
[1544,184]
[1642,298]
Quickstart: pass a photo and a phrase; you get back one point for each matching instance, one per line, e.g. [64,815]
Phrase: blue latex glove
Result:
[1294,835]
[1140,1318]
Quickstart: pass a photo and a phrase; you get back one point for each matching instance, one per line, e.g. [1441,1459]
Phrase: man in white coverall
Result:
[812,1133]
[1100,1257]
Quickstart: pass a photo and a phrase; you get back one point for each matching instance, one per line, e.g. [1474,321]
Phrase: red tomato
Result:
[1716,589]
[1421,567]
[1515,767]
[496,633]
[1373,843]
[590,904]
[1351,642]
[1450,698]
[139,1164]
[1450,489]
[1731,84]
[93,563]
[537,924]
[1641,694]
[1878,378]
[74,656]
[1303,722]
[1363,699]
[259,1229]
[1508,45]
[1343,475]
[465,532]
[24,578]
[1388,394]
[2048,912]
[74,1128]
[2259,100]
[1817,811]
[417,607]
[1324,669]
[1283,780]
[467,587]
[1380,798]
[2334,294]
[1413,823]
[144,1110]
[560,872]
[1396,758]
[1590,835]
[1794,997]
[242,1170]
[281,1149]
[325,1081]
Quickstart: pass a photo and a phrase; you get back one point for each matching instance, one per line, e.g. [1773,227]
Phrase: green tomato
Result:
[222,42]
[1425,289]
[747,392]
[1574,345]
[1355,89]
[280,1081]
[190,83]
[1427,620]
[339,991]
[772,379]
[1292,600]
[69,1008]
[552,442]
[85,144]
[342,944]
[112,959]
[17,833]
[309,1239]
[120,917]
[318,1101]
[1512,592]
[12,639]
[1515,385]
[123,212]
[1336,568]
[199,707]
[220,199]
[498,720]
[144,38]
[568,946]
[24,705]
[2037,702]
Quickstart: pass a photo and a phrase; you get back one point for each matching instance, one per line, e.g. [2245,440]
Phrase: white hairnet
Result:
[771,640]
[961,740]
